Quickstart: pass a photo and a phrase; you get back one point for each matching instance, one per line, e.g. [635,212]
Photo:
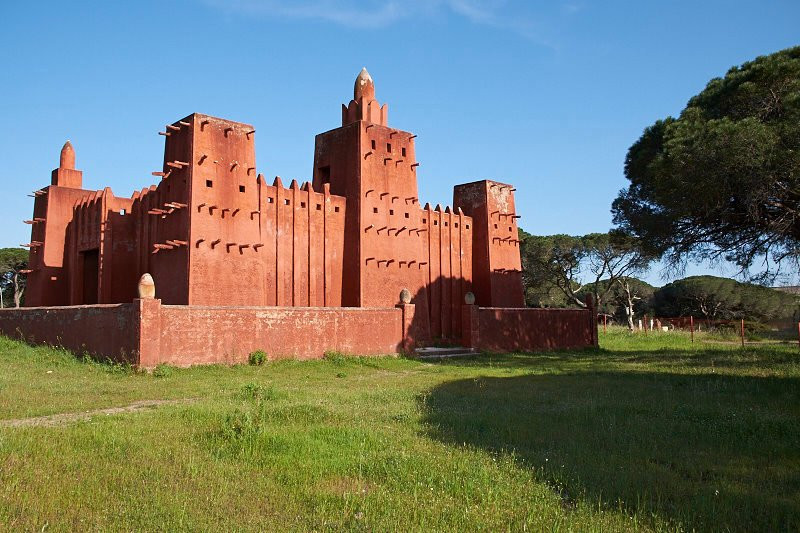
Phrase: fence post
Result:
[645,325]
[604,323]
[743,333]
[691,326]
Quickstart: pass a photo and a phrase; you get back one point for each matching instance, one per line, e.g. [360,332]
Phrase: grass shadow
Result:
[708,452]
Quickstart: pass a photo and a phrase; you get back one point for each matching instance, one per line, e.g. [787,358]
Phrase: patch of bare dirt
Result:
[66,418]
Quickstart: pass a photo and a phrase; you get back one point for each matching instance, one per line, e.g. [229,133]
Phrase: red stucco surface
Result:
[523,330]
[147,333]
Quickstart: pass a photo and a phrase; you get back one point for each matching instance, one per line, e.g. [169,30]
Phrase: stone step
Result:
[441,353]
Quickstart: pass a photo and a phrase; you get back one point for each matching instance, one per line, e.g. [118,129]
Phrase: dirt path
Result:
[66,418]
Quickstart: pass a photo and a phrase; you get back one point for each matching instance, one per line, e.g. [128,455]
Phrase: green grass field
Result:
[648,433]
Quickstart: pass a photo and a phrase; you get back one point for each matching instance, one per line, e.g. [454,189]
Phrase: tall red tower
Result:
[374,167]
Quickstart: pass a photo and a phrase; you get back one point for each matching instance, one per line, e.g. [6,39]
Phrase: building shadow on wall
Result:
[708,451]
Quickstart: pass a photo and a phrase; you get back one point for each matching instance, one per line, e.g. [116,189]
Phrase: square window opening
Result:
[424,220]
[456,224]
[209,183]
[445,224]
[122,212]
[325,174]
[241,188]
[435,222]
[374,209]
[406,215]
[336,209]
[467,226]
[495,226]
[302,204]
[319,207]
[286,202]
[391,211]
[270,199]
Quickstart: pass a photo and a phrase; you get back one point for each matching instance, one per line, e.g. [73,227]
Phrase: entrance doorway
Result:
[91,273]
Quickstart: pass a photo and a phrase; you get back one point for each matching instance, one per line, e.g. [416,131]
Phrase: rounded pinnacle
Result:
[67,156]
[364,86]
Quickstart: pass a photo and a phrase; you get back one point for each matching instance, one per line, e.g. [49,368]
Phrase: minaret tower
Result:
[374,167]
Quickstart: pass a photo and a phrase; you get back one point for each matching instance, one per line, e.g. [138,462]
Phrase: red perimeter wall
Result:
[197,335]
[499,329]
[108,330]
[146,333]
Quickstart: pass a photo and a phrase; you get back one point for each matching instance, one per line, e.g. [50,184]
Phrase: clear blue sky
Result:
[545,95]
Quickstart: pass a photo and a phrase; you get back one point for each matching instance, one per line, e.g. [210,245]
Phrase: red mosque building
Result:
[214,232]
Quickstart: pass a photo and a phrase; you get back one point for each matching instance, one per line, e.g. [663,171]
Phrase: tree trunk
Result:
[17,290]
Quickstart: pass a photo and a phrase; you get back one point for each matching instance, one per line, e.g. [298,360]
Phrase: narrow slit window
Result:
[374,209]
[403,151]
[373,144]
[435,222]
[495,226]
[445,224]
[389,147]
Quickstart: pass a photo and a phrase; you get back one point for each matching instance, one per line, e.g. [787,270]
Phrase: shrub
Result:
[257,358]
[162,370]
[258,392]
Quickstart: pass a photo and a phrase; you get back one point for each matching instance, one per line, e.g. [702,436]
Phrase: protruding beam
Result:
[183,123]
[369,228]
[199,242]
[257,246]
[164,133]
[173,128]
[414,165]
[368,154]
[249,133]
[215,243]
[202,159]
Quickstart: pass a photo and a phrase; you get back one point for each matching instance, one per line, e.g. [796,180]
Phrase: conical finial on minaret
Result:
[67,156]
[364,86]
